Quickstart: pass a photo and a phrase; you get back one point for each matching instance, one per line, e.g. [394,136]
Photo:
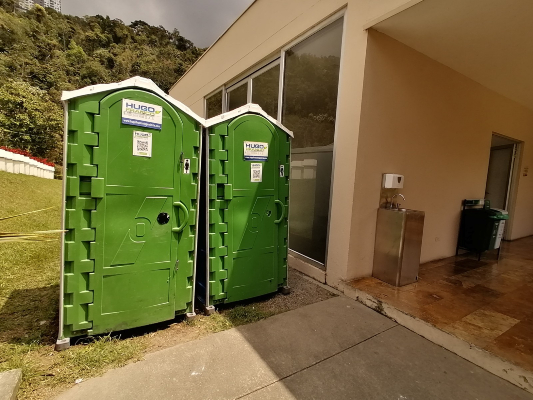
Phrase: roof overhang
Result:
[249,108]
[488,41]
[132,83]
[147,84]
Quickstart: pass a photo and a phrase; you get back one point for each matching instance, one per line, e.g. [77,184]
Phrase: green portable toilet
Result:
[131,173]
[246,177]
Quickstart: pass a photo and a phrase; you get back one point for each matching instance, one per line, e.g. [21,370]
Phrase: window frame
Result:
[249,79]
[236,86]
[211,94]
[279,58]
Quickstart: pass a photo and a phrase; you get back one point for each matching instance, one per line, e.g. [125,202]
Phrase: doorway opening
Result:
[500,175]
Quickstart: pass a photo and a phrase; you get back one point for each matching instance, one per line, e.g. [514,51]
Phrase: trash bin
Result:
[130,195]
[481,227]
[244,254]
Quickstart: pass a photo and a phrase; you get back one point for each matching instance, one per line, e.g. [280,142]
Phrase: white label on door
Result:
[137,113]
[257,172]
[499,235]
[142,144]
[255,151]
[187,166]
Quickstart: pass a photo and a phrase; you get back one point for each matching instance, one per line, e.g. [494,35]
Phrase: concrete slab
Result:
[9,384]
[396,364]
[234,363]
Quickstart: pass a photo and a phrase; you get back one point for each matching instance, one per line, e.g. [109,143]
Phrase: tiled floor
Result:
[487,303]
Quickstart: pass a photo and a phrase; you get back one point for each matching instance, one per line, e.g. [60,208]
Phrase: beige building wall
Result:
[422,119]
[260,33]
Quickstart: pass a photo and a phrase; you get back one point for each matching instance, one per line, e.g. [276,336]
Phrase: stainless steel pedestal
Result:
[398,245]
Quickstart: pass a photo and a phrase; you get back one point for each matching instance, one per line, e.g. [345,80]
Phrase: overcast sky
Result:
[201,21]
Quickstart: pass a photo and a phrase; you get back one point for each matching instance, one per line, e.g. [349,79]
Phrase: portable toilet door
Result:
[247,181]
[131,189]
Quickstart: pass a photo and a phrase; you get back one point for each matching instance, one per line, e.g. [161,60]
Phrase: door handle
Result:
[179,204]
[282,211]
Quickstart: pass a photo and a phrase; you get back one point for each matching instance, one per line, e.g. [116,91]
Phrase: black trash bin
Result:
[481,227]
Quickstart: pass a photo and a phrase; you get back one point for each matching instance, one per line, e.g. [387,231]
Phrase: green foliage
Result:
[29,120]
[43,52]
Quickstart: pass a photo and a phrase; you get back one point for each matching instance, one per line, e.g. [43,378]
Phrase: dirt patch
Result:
[303,292]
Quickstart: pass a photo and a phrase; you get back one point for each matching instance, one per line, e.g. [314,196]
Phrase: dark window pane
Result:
[213,105]
[311,85]
[238,97]
[265,91]
[309,109]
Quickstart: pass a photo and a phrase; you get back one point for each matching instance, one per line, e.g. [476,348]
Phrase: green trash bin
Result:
[130,197]
[244,254]
[481,227]
[498,218]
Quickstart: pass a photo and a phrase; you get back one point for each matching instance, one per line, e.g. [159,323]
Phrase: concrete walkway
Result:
[335,349]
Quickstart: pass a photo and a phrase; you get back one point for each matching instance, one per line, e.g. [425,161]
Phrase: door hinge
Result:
[177,265]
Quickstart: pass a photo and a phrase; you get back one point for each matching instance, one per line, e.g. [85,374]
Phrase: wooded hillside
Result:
[43,52]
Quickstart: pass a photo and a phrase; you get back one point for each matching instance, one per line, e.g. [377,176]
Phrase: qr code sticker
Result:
[142,145]
[256,172]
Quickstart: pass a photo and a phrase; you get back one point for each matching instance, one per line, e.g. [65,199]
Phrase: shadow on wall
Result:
[30,315]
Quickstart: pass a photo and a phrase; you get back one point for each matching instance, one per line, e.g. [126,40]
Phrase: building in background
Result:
[27,4]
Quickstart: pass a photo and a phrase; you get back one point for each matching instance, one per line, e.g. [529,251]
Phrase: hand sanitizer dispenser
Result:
[392,181]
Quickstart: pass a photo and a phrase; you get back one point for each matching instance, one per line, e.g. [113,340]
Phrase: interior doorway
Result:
[502,162]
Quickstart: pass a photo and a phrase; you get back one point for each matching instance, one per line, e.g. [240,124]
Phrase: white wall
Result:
[19,164]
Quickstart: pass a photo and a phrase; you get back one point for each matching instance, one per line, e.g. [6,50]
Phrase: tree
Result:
[43,52]
[30,121]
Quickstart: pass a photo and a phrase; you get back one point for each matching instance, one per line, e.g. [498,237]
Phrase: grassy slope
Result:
[29,272]
[29,278]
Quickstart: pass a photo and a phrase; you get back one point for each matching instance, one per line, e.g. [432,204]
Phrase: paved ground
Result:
[335,349]
[486,303]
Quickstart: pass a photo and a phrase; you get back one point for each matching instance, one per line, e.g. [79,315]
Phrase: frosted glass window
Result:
[309,110]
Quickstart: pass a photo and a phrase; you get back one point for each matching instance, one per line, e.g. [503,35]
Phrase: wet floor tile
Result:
[515,345]
[471,333]
[440,272]
[514,308]
[482,295]
[450,310]
[491,321]
[503,284]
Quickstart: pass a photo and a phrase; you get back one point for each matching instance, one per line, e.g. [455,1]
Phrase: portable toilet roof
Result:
[135,82]
[247,108]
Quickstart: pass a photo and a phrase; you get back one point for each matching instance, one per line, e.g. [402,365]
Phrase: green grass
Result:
[29,290]
[231,318]
[29,272]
